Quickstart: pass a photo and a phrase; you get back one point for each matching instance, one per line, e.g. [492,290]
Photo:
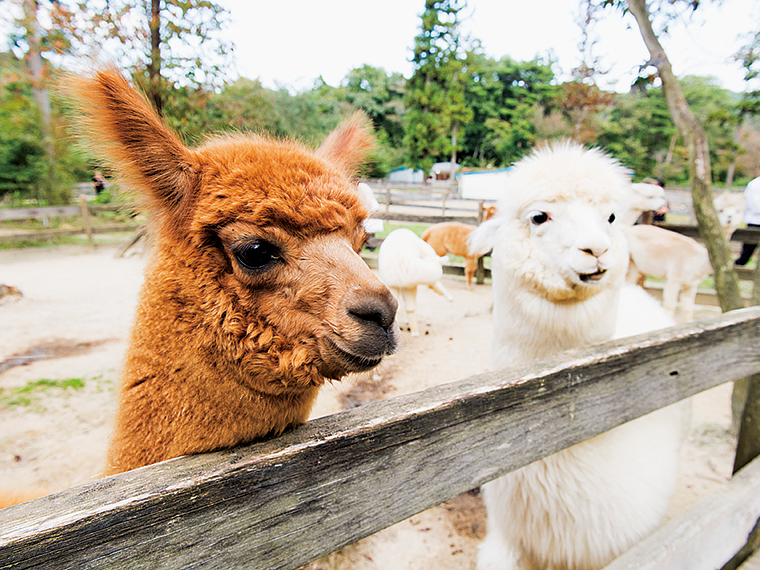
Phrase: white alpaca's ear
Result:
[367,196]
[482,239]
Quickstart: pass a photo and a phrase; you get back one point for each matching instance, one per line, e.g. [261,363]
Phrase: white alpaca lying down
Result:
[558,264]
[405,261]
[680,260]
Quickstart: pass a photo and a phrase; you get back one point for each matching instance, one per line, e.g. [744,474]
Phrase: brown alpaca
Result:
[255,294]
[451,237]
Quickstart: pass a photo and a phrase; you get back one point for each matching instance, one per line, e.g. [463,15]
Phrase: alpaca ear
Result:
[124,129]
[482,239]
[347,146]
[367,196]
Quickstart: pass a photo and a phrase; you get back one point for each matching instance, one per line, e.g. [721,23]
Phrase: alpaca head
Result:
[256,242]
[730,207]
[555,234]
[642,197]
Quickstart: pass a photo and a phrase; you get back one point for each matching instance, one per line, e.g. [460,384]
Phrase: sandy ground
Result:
[77,308]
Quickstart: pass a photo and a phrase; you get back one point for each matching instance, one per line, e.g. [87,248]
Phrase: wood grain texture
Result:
[283,502]
[705,536]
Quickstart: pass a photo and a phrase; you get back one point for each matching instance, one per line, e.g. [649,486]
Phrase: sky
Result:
[291,43]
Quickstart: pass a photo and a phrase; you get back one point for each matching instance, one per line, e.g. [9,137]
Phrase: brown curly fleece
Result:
[230,343]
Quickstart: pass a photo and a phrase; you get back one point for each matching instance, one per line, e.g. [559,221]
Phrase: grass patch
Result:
[389,227]
[32,391]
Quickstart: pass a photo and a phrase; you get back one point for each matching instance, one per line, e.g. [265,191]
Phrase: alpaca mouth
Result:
[592,277]
[350,361]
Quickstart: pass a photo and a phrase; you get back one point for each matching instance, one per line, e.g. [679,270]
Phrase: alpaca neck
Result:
[180,395]
[528,326]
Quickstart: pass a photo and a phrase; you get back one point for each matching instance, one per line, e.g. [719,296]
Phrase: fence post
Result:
[86,219]
[748,446]
[387,199]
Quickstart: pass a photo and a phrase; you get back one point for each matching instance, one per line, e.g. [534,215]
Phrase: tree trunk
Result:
[154,65]
[699,164]
[40,94]
[726,283]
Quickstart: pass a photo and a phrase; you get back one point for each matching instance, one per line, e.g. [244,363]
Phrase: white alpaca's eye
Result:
[539,218]
[611,218]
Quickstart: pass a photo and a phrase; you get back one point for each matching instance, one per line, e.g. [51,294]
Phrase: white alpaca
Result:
[681,261]
[730,207]
[558,264]
[641,197]
[404,262]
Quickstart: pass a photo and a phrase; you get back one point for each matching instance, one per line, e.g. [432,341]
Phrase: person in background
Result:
[751,218]
[659,215]
[98,182]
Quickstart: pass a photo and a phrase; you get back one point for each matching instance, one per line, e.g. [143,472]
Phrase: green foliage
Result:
[381,96]
[26,168]
[639,131]
[642,149]
[435,101]
[749,55]
[503,96]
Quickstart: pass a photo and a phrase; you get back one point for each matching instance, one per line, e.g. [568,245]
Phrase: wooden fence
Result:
[281,503]
[83,211]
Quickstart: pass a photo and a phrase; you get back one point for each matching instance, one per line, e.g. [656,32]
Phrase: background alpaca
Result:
[730,207]
[451,237]
[641,197]
[255,294]
[559,262]
[404,262]
[664,254]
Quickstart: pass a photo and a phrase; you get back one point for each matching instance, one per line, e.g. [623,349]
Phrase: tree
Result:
[381,96]
[435,92]
[726,284]
[749,55]
[167,44]
[581,99]
[504,96]
[699,162]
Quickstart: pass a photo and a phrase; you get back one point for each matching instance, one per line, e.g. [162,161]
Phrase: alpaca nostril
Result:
[595,252]
[381,312]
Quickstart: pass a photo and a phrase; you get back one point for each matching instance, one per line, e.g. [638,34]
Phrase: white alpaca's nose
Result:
[594,245]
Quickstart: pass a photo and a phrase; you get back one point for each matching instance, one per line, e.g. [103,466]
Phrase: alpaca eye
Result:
[256,255]
[539,218]
[611,218]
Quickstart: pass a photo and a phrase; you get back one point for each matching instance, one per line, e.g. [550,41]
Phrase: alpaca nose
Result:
[595,251]
[595,246]
[372,309]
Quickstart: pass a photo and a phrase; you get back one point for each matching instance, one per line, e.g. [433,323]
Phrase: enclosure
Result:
[287,501]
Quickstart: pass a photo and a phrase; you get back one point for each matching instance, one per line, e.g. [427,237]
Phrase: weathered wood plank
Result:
[752,563]
[40,212]
[286,501]
[705,536]
[36,235]
[744,235]
[420,219]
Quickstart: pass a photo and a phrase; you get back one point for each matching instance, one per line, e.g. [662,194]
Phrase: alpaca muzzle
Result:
[367,333]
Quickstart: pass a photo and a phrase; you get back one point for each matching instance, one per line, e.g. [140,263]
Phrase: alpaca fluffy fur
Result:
[404,262]
[664,254]
[255,294]
[558,264]
[451,237]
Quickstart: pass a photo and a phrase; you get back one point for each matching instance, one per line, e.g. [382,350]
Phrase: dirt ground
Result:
[70,329]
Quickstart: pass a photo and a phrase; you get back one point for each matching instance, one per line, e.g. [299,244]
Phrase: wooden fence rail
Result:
[83,211]
[281,503]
